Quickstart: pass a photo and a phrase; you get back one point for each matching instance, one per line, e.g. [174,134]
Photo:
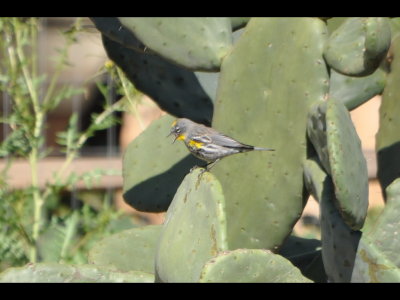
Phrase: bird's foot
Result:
[193,168]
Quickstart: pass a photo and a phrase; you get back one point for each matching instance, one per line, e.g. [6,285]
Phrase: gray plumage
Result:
[207,143]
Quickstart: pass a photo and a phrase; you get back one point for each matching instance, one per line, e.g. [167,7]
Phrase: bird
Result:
[207,143]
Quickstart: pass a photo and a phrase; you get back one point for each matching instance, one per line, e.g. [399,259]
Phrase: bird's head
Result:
[179,128]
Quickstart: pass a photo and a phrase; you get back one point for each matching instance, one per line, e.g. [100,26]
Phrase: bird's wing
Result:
[226,141]
[203,138]
[211,136]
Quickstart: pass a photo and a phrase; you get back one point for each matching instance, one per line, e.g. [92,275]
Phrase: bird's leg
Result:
[196,166]
[193,168]
[211,164]
[205,168]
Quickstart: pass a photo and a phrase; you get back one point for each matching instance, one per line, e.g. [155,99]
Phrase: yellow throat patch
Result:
[180,137]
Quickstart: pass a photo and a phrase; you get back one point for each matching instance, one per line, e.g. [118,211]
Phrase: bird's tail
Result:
[263,149]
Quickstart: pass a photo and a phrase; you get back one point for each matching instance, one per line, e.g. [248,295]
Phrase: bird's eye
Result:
[177,130]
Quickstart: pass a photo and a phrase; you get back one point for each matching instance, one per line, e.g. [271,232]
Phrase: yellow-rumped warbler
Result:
[206,143]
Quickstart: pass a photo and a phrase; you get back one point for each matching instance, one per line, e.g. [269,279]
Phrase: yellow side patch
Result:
[195,144]
[180,137]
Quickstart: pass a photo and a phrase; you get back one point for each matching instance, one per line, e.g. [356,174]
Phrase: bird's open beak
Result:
[174,137]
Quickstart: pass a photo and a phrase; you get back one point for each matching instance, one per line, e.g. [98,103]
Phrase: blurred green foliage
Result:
[40,224]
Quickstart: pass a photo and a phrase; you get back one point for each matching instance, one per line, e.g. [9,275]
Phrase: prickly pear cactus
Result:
[209,81]
[287,84]
[394,27]
[316,131]
[53,272]
[388,136]
[371,266]
[176,90]
[385,232]
[195,43]
[339,241]
[358,46]
[274,72]
[333,135]
[116,251]
[377,255]
[250,265]
[194,229]
[354,91]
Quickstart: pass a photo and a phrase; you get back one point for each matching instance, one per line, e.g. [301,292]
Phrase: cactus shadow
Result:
[156,193]
[175,89]
[305,254]
[339,240]
[388,160]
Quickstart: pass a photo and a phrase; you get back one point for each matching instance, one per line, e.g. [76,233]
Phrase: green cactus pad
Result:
[53,272]
[339,241]
[347,164]
[378,252]
[395,27]
[132,249]
[153,167]
[334,23]
[195,43]
[273,74]
[316,131]
[385,233]
[358,46]
[209,81]
[388,136]
[371,266]
[317,182]
[194,229]
[354,91]
[176,90]
[250,265]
